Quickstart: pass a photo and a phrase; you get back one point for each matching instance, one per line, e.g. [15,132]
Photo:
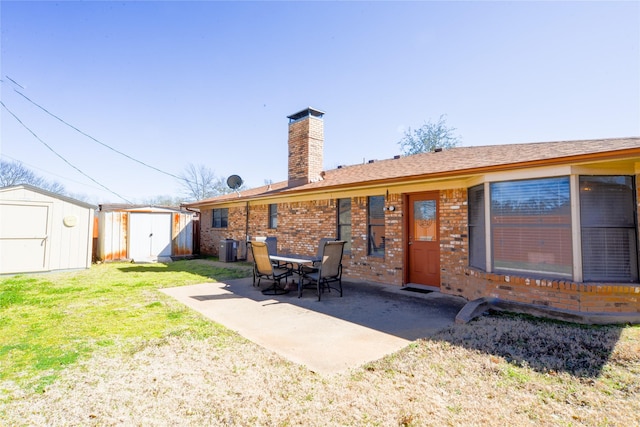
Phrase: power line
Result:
[92,138]
[60,156]
[46,171]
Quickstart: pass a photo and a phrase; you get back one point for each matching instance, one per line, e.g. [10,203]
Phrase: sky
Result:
[211,83]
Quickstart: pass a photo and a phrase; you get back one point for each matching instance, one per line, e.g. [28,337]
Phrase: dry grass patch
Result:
[498,370]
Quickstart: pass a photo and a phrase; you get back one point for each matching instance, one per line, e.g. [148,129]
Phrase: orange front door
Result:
[423,240]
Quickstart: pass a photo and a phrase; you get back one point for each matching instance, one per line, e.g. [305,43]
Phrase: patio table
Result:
[299,261]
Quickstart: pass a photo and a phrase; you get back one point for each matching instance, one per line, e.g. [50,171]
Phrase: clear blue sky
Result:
[172,83]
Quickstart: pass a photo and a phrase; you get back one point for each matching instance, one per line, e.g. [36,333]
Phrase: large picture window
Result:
[608,228]
[531,226]
[220,218]
[344,222]
[531,231]
[375,225]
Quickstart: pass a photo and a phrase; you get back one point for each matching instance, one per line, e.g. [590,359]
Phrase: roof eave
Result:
[602,156]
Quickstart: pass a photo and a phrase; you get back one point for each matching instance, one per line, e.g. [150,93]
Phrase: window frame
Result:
[372,250]
[578,270]
[222,215]
[273,216]
[340,226]
[538,224]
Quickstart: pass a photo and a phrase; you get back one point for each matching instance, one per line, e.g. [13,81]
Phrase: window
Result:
[608,228]
[531,232]
[273,216]
[344,222]
[477,247]
[531,226]
[375,225]
[220,218]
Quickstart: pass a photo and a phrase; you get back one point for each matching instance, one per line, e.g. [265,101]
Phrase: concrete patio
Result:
[328,336]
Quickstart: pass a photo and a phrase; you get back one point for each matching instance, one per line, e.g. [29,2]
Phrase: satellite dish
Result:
[234,182]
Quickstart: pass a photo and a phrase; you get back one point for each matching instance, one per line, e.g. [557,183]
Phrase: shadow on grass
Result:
[206,268]
[543,345]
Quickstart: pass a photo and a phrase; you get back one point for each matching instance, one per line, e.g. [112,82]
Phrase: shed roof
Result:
[39,190]
[450,163]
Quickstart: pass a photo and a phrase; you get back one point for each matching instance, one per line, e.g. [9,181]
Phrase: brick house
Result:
[552,225]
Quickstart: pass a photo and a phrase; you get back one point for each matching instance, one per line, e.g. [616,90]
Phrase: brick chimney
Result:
[306,146]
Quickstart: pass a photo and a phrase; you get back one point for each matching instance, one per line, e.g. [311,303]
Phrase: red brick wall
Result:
[302,224]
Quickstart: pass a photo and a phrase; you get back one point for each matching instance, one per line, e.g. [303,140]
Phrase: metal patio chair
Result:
[264,269]
[329,273]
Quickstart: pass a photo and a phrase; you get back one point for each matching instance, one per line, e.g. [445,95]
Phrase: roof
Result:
[121,207]
[39,190]
[450,163]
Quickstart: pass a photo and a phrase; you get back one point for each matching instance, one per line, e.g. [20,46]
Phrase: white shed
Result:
[43,231]
[144,233]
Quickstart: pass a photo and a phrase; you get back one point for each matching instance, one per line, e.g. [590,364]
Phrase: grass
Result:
[104,347]
[50,321]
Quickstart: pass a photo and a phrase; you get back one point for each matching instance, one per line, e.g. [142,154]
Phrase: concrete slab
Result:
[328,336]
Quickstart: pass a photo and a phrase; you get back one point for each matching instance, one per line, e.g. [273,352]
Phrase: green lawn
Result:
[49,321]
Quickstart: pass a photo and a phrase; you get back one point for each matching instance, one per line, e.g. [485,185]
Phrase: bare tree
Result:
[200,182]
[429,137]
[15,173]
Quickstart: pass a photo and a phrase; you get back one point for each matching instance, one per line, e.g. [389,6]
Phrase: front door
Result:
[423,239]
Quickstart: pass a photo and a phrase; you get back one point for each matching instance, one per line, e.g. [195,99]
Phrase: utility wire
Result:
[63,159]
[92,138]
[46,171]
[14,82]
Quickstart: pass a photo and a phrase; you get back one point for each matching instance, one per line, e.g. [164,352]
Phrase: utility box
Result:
[228,250]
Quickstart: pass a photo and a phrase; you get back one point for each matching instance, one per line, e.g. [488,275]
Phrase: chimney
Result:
[306,146]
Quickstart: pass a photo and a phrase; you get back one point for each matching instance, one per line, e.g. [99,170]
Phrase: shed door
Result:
[424,239]
[150,235]
[24,238]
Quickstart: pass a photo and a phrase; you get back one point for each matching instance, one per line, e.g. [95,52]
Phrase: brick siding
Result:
[302,224]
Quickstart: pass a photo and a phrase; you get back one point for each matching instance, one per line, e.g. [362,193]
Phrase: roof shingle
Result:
[451,161]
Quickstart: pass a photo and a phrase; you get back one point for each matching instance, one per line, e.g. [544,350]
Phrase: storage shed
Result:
[144,233]
[43,231]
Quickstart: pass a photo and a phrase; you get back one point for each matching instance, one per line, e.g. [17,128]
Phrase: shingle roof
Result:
[449,162]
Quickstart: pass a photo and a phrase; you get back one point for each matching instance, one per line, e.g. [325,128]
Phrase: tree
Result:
[429,137]
[200,182]
[15,173]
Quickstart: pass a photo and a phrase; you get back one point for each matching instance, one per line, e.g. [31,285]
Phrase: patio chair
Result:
[264,269]
[313,268]
[329,271]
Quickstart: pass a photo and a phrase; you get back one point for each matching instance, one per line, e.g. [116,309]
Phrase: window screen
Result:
[608,222]
[477,247]
[531,226]
[344,222]
[376,225]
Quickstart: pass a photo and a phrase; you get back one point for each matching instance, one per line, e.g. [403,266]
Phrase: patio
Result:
[328,336]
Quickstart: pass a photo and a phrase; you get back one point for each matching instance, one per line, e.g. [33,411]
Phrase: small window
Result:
[273,216]
[477,247]
[344,222]
[375,225]
[220,218]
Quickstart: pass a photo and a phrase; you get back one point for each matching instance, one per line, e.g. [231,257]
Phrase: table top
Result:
[296,259]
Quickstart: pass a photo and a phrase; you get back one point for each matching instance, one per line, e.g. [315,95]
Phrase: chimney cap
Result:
[309,111]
